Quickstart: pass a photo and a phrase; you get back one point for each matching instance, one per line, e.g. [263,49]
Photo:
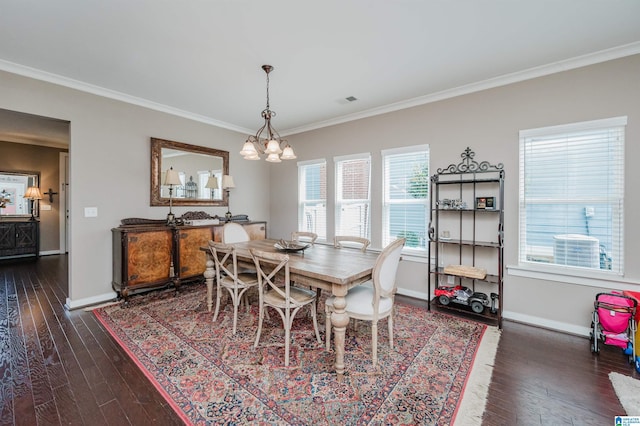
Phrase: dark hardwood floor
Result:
[60,367]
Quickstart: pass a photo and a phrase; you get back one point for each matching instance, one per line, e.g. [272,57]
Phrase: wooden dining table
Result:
[318,266]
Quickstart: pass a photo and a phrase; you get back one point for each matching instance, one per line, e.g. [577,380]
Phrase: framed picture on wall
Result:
[490,203]
[487,203]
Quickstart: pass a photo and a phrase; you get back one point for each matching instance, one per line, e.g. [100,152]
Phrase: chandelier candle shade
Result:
[33,193]
[171,178]
[270,144]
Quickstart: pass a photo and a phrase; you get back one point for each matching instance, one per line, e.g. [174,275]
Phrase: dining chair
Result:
[376,302]
[307,237]
[351,241]
[282,296]
[229,277]
[303,236]
[234,233]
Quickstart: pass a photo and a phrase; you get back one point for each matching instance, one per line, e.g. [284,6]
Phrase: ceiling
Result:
[202,59]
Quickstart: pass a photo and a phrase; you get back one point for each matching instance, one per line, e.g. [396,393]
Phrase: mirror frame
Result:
[156,172]
[32,204]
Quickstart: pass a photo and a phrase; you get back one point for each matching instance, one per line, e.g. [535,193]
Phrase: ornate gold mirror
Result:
[196,166]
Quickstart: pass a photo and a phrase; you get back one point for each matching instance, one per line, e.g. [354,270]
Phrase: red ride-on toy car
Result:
[465,296]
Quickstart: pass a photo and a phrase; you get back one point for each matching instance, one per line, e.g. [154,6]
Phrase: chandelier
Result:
[269,144]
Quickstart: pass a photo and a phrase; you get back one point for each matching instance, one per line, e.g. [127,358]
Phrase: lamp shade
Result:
[172,177]
[273,147]
[212,183]
[33,193]
[288,154]
[252,157]
[273,158]
[248,149]
[227,182]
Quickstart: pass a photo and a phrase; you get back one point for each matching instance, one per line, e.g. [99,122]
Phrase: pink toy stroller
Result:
[613,322]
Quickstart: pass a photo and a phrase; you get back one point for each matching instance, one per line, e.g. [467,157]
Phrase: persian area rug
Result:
[210,376]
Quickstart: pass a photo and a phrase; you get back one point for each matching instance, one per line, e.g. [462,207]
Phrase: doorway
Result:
[29,139]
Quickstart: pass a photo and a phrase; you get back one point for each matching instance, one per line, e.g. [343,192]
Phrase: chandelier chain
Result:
[272,143]
[267,90]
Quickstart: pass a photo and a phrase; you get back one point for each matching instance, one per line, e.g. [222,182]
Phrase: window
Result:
[312,197]
[406,195]
[572,196]
[353,198]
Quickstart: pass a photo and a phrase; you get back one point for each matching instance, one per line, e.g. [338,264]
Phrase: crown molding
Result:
[36,141]
[112,94]
[503,80]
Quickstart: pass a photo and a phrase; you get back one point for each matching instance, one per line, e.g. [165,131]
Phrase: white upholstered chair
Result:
[376,302]
[229,277]
[304,237]
[351,241]
[234,233]
[284,297]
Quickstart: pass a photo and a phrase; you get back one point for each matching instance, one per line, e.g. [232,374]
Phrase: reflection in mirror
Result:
[200,170]
[194,171]
[13,186]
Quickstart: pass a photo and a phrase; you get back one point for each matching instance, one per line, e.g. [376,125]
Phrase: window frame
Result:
[527,267]
[339,202]
[387,202]
[302,200]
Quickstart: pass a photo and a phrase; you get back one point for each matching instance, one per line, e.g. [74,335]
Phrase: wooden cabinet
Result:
[142,257]
[192,260]
[154,256]
[466,238]
[19,238]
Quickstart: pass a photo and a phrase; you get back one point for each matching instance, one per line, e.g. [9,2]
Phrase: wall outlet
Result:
[451,279]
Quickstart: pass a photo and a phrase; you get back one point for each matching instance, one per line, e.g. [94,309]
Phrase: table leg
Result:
[339,321]
[209,273]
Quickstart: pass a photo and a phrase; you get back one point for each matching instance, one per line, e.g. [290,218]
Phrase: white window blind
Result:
[353,198]
[312,197]
[572,195]
[406,195]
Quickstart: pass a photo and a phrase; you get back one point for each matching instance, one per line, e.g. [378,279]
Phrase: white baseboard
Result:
[412,293]
[81,303]
[50,252]
[521,318]
[547,323]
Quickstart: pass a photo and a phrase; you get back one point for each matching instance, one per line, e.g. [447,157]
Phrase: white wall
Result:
[110,170]
[489,122]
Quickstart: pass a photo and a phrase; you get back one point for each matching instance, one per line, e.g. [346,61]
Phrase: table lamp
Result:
[171,178]
[33,193]
[227,184]
[212,183]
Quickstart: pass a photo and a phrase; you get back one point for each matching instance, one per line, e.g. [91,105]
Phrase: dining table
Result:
[320,266]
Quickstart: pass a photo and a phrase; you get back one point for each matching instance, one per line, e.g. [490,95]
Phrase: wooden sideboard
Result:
[19,238]
[154,256]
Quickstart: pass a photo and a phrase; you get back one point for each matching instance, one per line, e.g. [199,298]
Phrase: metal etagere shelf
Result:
[468,239]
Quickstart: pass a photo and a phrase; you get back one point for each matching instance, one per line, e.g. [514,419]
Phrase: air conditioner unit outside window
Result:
[576,250]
